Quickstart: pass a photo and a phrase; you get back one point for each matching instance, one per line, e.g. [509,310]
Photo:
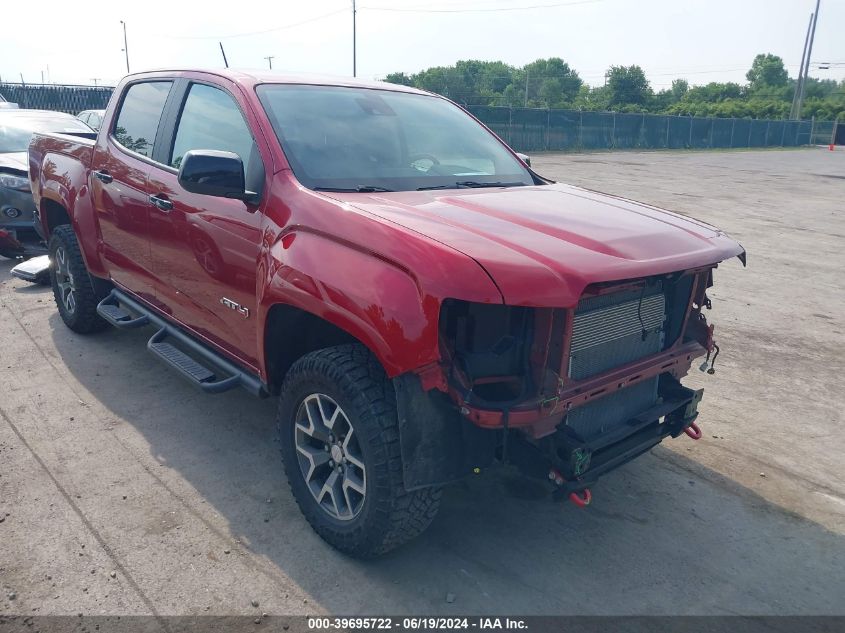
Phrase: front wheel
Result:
[340,446]
[73,288]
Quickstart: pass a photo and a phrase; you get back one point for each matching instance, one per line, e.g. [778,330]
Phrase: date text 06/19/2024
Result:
[416,623]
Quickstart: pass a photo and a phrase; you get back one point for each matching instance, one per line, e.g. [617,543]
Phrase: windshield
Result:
[360,139]
[16,131]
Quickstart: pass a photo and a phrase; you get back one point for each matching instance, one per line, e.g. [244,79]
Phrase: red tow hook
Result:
[574,497]
[693,431]
[580,501]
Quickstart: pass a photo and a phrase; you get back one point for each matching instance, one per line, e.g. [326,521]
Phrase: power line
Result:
[275,28]
[459,3]
[487,10]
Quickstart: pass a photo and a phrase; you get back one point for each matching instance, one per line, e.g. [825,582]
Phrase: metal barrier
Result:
[70,99]
[531,129]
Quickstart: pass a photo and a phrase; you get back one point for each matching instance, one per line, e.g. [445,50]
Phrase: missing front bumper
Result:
[580,463]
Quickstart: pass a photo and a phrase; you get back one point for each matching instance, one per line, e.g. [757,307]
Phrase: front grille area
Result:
[605,414]
[614,329]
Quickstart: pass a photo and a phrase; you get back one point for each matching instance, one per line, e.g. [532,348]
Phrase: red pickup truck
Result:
[423,303]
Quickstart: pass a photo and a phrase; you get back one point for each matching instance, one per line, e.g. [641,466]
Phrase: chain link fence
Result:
[530,129]
[70,99]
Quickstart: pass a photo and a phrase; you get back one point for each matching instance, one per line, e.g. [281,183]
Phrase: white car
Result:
[7,105]
[92,118]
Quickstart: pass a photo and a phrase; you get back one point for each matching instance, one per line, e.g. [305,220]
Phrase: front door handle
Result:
[103,176]
[161,203]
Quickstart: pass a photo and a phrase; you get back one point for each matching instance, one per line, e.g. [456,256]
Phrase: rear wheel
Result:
[73,288]
[340,445]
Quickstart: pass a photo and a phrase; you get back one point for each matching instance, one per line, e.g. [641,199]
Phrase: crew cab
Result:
[423,303]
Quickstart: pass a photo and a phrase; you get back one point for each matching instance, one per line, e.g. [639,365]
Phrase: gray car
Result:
[18,230]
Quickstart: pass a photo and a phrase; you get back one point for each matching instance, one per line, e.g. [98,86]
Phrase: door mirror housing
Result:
[524,158]
[214,173]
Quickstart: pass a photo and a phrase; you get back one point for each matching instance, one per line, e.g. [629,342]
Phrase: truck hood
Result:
[16,161]
[543,245]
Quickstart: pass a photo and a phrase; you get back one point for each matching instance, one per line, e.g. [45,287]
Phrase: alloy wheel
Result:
[65,281]
[329,457]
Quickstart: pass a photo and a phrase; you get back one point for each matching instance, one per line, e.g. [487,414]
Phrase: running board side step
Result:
[195,373]
[202,367]
[110,310]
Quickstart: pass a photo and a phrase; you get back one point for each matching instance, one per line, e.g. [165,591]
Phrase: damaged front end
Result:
[565,394]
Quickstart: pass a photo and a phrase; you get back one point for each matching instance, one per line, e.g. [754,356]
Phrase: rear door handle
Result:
[161,203]
[103,176]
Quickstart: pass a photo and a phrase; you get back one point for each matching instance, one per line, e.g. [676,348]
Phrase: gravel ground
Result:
[123,491]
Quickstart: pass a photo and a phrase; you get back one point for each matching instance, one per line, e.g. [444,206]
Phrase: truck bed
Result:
[64,158]
[79,146]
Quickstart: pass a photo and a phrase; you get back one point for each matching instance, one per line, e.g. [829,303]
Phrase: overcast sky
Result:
[700,40]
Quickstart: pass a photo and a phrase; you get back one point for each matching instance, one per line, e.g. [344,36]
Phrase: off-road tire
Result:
[390,515]
[83,319]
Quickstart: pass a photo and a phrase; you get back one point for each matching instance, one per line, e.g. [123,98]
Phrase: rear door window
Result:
[137,122]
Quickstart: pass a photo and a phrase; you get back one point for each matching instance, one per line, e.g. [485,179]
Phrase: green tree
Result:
[551,93]
[592,98]
[714,92]
[551,82]
[400,78]
[628,85]
[819,88]
[667,98]
[767,70]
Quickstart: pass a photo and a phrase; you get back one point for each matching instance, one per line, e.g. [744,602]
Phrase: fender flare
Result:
[77,203]
[376,301]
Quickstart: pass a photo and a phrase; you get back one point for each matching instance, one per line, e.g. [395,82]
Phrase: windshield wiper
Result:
[472,184]
[358,189]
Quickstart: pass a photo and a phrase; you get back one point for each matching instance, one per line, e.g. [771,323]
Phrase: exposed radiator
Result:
[615,329]
[607,413]
[609,331]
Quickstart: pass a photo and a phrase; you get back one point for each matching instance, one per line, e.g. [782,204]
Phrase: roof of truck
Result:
[253,76]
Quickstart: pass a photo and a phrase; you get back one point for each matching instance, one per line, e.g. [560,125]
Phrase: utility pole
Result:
[807,65]
[225,61]
[269,59]
[354,42]
[125,46]
[801,70]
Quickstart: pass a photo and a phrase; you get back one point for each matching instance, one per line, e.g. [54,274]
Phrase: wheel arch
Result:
[53,214]
[290,333]
[55,209]
[347,293]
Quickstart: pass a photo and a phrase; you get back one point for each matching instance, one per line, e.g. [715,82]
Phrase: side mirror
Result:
[214,173]
[524,158]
